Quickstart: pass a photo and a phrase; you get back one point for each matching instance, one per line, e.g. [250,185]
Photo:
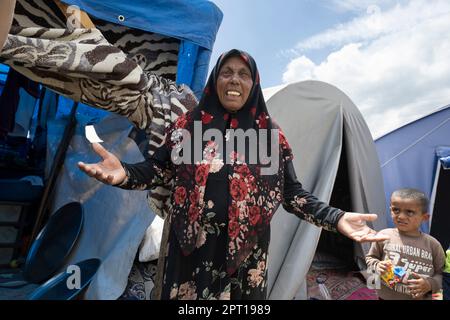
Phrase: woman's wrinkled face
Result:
[234,84]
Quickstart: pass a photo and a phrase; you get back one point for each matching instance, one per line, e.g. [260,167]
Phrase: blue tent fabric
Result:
[4,69]
[193,64]
[443,153]
[194,22]
[201,72]
[408,155]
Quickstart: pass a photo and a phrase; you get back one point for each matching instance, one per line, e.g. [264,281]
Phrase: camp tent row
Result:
[335,156]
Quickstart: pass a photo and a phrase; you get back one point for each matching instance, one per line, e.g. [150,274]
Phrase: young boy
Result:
[419,255]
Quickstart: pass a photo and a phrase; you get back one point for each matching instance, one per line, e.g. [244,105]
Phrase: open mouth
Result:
[233,93]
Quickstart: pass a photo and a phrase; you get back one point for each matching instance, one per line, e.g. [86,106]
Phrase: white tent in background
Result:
[335,159]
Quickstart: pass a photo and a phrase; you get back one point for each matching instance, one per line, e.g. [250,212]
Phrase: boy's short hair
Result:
[414,194]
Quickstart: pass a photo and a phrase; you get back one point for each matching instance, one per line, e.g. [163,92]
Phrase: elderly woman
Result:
[223,200]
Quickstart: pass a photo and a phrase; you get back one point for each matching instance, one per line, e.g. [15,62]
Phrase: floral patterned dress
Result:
[203,273]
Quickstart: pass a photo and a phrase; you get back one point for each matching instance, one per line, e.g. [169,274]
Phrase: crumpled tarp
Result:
[115,220]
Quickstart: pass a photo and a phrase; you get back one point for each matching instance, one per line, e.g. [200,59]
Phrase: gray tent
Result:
[335,159]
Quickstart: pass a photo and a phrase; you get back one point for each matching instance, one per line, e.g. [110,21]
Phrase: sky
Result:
[391,57]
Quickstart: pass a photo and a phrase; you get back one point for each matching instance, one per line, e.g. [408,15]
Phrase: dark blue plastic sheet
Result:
[194,22]
[57,288]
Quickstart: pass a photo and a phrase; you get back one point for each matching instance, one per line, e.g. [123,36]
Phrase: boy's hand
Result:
[383,266]
[419,286]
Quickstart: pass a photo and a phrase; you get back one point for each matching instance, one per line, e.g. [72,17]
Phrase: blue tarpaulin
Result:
[194,22]
[3,75]
[409,155]
[443,154]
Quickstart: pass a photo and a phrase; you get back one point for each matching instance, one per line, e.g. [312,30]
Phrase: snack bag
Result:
[388,277]
[399,273]
[406,276]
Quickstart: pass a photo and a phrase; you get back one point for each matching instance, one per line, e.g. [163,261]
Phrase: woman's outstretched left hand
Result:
[353,225]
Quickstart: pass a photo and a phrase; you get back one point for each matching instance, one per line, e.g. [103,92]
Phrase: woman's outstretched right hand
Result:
[109,170]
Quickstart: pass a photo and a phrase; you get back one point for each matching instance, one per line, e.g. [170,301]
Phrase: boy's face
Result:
[407,214]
